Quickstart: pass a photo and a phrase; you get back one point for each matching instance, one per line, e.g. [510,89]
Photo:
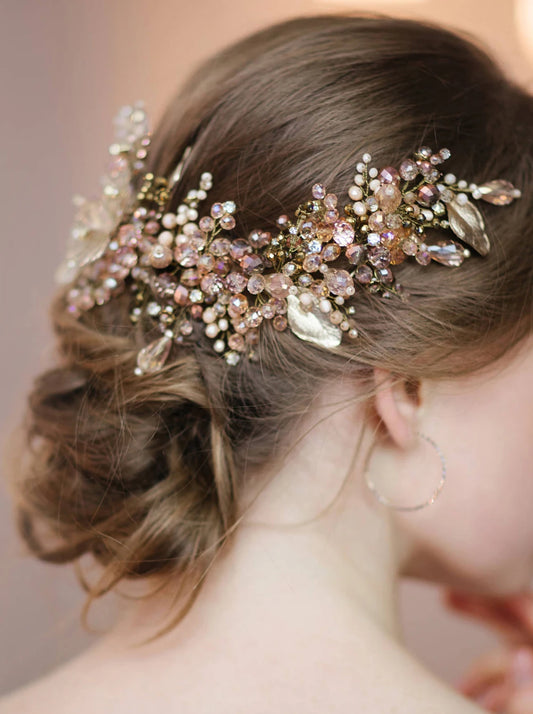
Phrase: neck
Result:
[291,571]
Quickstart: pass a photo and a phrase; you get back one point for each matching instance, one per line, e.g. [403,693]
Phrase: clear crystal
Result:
[152,357]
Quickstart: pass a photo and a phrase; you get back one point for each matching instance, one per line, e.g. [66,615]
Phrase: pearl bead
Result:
[355,193]
[165,238]
[169,220]
[212,330]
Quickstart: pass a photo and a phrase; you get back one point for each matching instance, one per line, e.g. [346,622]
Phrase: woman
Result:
[257,512]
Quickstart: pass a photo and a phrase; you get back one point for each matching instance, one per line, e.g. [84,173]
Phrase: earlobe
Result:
[396,405]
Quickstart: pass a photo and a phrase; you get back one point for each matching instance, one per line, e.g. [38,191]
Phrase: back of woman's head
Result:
[146,473]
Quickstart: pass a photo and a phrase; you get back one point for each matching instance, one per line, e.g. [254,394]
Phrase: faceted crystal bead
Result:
[212,284]
[376,221]
[220,246]
[355,253]
[278,284]
[343,232]
[428,195]
[311,262]
[385,275]
[253,317]
[423,257]
[190,277]
[236,282]
[186,255]
[450,254]
[331,252]
[237,305]
[239,248]
[397,255]
[236,342]
[222,265]
[389,197]
[363,273]
[280,323]
[409,246]
[408,170]
[163,284]
[378,256]
[152,357]
[181,295]
[389,175]
[251,262]
[258,238]
[340,282]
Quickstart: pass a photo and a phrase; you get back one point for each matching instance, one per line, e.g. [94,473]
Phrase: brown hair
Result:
[145,473]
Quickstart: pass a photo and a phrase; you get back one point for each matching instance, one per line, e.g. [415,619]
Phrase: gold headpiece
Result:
[188,272]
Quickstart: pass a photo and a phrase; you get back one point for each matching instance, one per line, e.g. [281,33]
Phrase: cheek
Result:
[481,526]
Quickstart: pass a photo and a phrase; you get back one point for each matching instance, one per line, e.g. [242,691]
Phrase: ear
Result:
[397,405]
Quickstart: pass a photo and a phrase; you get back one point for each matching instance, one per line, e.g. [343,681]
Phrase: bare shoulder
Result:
[90,684]
[60,691]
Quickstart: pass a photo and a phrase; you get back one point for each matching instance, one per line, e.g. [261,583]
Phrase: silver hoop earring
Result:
[401,507]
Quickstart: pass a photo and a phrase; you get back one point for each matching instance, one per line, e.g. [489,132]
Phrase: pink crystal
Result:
[212,284]
[376,221]
[222,265]
[278,284]
[227,222]
[258,238]
[343,232]
[181,295]
[237,305]
[220,246]
[423,257]
[236,342]
[363,273]
[389,197]
[428,195]
[256,283]
[330,252]
[268,310]
[151,227]
[239,248]
[253,317]
[236,282]
[378,256]
[408,170]
[447,253]
[409,246]
[186,255]
[311,262]
[330,201]
[339,282]
[389,175]
[251,262]
[354,253]
[280,323]
[385,275]
[190,277]
[318,191]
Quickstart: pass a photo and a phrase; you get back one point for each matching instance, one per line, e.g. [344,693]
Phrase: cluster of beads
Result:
[187,270]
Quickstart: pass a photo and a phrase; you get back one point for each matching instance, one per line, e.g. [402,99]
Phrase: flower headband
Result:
[189,270]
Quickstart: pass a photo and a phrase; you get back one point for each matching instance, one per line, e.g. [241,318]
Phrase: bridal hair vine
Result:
[189,271]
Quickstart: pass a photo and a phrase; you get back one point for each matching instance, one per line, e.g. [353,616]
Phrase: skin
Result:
[304,618]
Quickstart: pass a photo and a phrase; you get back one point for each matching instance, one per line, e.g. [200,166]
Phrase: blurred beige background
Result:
[66,66]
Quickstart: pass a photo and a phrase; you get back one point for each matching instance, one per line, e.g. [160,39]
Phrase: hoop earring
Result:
[388,502]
